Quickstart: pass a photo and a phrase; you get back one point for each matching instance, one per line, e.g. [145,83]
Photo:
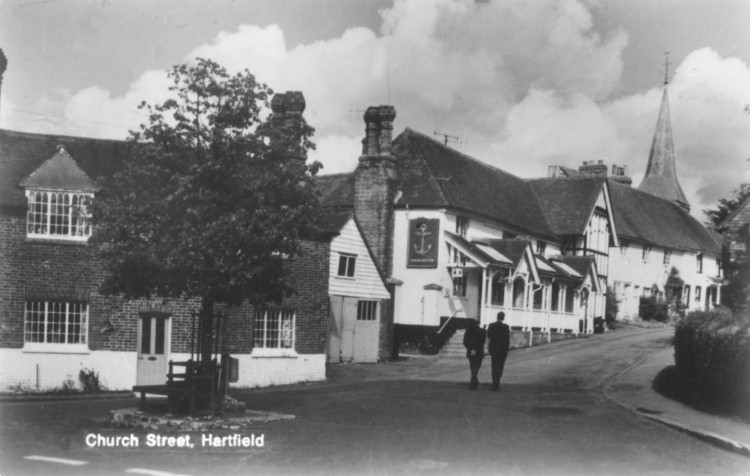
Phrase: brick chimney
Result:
[620,174]
[375,185]
[594,169]
[3,67]
[285,124]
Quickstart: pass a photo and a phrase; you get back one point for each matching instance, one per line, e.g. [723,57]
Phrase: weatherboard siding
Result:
[366,282]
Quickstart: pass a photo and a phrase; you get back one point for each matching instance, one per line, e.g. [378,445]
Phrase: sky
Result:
[523,84]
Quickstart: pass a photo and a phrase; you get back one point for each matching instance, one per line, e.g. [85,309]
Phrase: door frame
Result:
[167,317]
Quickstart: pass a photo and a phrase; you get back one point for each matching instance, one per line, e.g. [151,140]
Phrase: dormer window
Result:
[58,215]
[59,196]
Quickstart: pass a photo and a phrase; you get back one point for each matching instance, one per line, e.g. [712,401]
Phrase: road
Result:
[409,417]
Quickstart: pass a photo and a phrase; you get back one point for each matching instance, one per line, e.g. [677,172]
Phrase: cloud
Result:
[523,84]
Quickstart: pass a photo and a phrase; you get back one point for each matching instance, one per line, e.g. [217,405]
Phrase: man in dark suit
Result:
[474,338]
[498,334]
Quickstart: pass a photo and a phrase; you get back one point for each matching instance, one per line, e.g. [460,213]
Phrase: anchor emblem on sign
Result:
[423,248]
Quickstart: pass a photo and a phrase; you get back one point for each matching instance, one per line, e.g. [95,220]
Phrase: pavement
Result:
[632,389]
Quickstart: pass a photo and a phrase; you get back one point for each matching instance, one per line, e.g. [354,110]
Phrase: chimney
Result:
[287,126]
[375,185]
[593,169]
[620,174]
[3,67]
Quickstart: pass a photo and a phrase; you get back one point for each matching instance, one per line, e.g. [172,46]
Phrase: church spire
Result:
[661,173]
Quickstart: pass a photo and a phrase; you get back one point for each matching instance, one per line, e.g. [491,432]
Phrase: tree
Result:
[716,216]
[213,197]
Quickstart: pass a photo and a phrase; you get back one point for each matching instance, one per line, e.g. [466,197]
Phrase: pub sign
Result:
[424,234]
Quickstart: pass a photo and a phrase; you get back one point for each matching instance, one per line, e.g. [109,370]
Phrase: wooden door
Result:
[366,332]
[153,348]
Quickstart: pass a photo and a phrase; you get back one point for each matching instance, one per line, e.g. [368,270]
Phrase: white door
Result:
[367,331]
[153,347]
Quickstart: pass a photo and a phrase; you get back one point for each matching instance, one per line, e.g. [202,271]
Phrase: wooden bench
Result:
[182,386]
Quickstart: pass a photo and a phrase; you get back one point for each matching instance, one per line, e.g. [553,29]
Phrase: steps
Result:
[454,348]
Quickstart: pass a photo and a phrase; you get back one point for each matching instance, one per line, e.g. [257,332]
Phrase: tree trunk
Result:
[206,344]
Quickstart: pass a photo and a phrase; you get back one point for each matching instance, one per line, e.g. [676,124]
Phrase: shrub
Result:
[712,355]
[89,379]
[651,310]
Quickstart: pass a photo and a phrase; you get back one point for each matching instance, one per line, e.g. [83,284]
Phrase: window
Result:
[555,302]
[646,252]
[274,329]
[498,288]
[56,322]
[623,248]
[667,256]
[541,247]
[367,310]
[462,226]
[459,286]
[699,263]
[63,215]
[697,294]
[718,267]
[346,265]
[686,294]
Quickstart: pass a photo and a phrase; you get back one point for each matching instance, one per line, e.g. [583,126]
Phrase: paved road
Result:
[409,417]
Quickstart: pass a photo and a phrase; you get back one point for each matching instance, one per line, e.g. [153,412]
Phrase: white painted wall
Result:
[117,370]
[630,274]
[366,282]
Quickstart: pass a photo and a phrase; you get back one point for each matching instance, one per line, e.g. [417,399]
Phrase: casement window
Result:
[57,324]
[58,215]
[459,286]
[346,265]
[274,329]
[367,310]
[462,226]
[699,263]
[667,257]
[541,247]
[697,294]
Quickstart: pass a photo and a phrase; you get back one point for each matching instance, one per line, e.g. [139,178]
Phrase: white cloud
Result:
[524,84]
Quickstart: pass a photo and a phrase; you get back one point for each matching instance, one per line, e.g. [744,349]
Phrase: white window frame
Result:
[66,311]
[667,257]
[40,214]
[261,331]
[699,263]
[350,266]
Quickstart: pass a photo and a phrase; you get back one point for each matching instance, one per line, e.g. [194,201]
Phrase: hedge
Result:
[712,356]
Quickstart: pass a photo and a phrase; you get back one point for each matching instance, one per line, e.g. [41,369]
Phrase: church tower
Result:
[661,172]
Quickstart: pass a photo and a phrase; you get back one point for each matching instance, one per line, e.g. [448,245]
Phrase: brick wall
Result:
[72,271]
[374,191]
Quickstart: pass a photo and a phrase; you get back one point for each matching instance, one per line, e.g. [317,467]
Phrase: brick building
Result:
[54,322]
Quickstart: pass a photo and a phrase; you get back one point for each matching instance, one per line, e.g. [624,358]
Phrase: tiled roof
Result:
[335,190]
[22,153]
[60,172]
[567,202]
[645,218]
[332,220]
[434,175]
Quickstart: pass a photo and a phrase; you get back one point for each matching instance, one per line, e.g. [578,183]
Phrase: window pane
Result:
[350,268]
[160,328]
[145,335]
[342,265]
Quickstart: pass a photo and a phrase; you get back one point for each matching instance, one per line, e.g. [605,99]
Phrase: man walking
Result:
[474,338]
[498,334]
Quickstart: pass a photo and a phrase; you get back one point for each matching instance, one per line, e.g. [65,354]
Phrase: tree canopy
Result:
[214,195]
[726,206]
